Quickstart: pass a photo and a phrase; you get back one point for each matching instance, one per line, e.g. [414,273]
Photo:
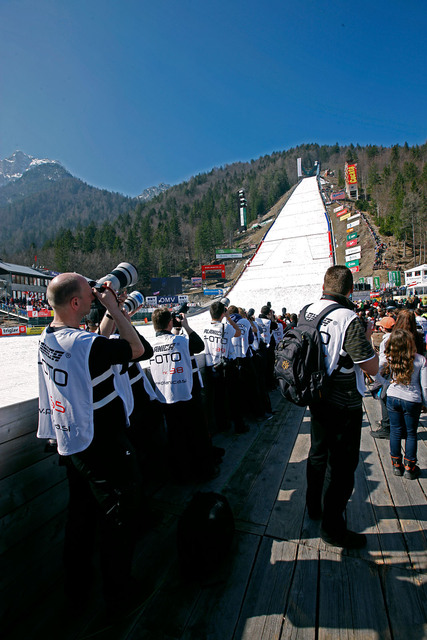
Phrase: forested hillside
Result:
[47,199]
[180,229]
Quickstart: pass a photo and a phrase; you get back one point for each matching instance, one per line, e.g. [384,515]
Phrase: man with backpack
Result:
[336,419]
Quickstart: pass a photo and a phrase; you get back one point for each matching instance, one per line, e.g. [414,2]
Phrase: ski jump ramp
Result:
[288,268]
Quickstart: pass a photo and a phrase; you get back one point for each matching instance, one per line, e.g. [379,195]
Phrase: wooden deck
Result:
[280,580]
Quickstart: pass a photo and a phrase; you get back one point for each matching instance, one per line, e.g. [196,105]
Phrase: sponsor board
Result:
[213,292]
[351,174]
[350,252]
[377,282]
[339,195]
[342,212]
[339,208]
[227,254]
[354,269]
[20,330]
[42,313]
[353,223]
[35,331]
[357,215]
[347,215]
[197,282]
[351,236]
[352,263]
[154,301]
[351,243]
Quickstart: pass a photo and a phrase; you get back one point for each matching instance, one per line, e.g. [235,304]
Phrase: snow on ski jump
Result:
[287,270]
[289,266]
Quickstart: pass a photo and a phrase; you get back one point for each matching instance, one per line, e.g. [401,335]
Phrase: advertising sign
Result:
[342,212]
[354,269]
[207,268]
[341,206]
[351,243]
[197,282]
[346,217]
[154,301]
[351,236]
[352,263]
[349,252]
[377,283]
[13,331]
[43,313]
[353,223]
[228,254]
[394,278]
[339,195]
[356,215]
[351,174]
[213,292]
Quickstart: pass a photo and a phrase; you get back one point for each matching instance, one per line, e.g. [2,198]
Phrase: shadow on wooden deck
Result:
[280,581]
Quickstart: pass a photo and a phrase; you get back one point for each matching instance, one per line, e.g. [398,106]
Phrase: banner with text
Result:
[349,252]
[353,223]
[352,263]
[228,254]
[13,331]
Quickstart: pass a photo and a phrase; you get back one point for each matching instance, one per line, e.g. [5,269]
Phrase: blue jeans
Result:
[404,417]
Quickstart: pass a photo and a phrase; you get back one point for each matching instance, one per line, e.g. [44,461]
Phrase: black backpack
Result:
[300,363]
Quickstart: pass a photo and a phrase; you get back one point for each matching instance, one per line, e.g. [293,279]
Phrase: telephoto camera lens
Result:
[124,275]
[133,301]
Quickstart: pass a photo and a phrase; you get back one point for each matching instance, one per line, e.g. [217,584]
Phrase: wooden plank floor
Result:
[280,580]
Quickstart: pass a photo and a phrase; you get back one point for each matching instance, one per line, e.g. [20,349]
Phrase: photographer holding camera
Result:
[220,371]
[172,372]
[80,407]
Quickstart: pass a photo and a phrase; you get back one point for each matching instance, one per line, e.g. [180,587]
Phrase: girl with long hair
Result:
[405,397]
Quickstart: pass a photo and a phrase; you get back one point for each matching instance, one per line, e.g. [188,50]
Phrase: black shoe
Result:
[398,469]
[412,473]
[383,433]
[347,540]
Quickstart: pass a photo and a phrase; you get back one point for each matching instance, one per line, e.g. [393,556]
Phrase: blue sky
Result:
[127,94]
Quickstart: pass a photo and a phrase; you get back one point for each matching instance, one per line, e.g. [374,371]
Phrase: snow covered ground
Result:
[287,271]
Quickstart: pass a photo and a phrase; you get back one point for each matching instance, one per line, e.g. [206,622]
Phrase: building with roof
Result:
[23,283]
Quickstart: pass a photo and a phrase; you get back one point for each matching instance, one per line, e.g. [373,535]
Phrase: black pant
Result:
[105,499]
[332,461]
[189,441]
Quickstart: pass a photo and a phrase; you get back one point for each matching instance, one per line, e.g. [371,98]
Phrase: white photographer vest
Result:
[171,368]
[241,344]
[66,389]
[264,330]
[217,337]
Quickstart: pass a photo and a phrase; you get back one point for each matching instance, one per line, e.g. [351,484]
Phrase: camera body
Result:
[176,313]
